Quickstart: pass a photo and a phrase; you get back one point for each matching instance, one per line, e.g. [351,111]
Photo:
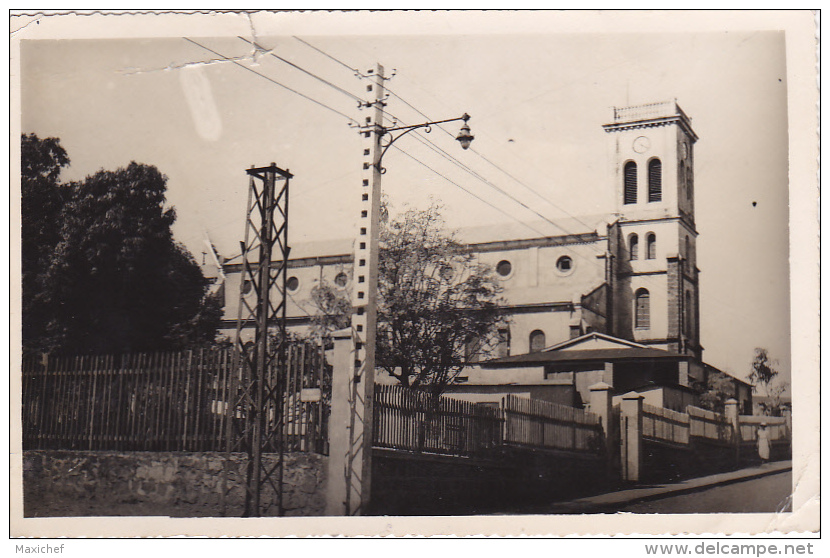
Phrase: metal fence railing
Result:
[174,401]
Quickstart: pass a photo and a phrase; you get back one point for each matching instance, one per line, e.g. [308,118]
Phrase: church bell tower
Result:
[653,273]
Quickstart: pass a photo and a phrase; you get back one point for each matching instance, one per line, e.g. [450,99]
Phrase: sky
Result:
[537,98]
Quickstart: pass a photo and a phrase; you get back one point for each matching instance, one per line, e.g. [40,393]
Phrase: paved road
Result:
[765,494]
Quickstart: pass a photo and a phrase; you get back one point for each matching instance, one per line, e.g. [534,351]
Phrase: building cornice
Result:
[478,247]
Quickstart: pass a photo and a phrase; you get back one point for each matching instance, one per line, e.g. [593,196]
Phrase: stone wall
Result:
[162,483]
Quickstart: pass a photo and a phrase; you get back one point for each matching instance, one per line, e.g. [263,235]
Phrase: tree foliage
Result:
[774,404]
[435,301]
[763,369]
[41,202]
[334,310]
[718,389]
[106,275]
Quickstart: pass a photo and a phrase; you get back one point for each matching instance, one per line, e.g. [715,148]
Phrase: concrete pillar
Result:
[631,431]
[788,420]
[608,375]
[345,463]
[601,405]
[730,411]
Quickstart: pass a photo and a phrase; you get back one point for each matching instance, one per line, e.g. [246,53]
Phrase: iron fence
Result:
[164,401]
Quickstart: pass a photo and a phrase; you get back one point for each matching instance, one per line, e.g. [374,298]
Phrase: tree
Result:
[334,310]
[763,370]
[764,373]
[41,201]
[717,390]
[110,278]
[436,302]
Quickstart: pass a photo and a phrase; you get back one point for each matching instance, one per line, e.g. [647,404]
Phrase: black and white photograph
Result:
[322,273]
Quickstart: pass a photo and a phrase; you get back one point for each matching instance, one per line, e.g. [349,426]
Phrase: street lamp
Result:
[464,136]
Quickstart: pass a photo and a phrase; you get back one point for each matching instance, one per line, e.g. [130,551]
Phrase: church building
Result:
[615,298]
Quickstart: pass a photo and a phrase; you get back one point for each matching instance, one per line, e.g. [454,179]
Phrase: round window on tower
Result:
[565,265]
[292,285]
[504,269]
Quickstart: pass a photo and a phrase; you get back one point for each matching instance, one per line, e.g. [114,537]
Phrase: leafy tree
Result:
[774,404]
[437,307]
[109,277]
[334,310]
[435,300]
[717,390]
[763,370]
[41,201]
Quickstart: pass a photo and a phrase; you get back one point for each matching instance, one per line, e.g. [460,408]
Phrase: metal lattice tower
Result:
[256,411]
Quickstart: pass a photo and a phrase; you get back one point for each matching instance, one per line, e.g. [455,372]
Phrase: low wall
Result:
[405,483]
[177,484]
[668,462]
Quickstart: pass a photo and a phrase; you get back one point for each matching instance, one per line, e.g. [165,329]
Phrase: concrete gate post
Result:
[601,405]
[730,411]
[631,431]
[345,464]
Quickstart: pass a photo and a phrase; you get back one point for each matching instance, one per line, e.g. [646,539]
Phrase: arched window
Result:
[642,309]
[630,183]
[633,247]
[537,340]
[651,246]
[655,180]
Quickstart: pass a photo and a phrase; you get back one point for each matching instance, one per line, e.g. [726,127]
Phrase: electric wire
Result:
[437,149]
[441,151]
[486,159]
[300,68]
[275,82]
[421,138]
[329,56]
[497,208]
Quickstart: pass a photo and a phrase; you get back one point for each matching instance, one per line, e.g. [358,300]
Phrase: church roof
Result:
[500,232]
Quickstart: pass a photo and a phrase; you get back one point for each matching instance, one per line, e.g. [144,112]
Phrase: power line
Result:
[450,157]
[544,198]
[421,138]
[431,145]
[293,65]
[275,82]
[468,191]
[329,56]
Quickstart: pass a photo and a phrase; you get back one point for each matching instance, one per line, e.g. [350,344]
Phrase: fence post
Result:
[631,431]
[730,411]
[600,405]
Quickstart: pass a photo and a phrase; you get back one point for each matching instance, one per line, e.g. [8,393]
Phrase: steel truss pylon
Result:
[256,410]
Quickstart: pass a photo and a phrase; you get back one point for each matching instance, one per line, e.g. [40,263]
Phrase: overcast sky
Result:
[537,102]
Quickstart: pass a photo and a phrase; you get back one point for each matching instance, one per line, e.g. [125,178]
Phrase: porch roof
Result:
[599,355]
